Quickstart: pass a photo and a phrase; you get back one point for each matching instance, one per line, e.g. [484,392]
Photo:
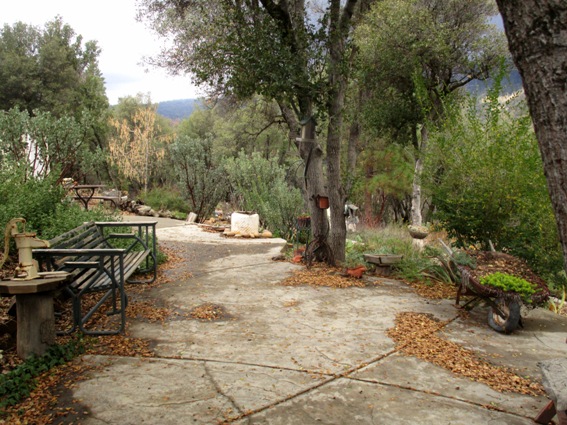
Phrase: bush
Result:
[486,177]
[202,178]
[415,265]
[259,185]
[166,199]
[42,203]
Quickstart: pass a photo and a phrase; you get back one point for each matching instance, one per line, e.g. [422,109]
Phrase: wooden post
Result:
[34,308]
[36,323]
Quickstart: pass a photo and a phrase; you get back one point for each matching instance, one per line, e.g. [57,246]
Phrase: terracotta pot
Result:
[322,202]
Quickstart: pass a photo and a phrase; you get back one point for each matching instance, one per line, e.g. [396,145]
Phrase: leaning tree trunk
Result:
[416,218]
[537,36]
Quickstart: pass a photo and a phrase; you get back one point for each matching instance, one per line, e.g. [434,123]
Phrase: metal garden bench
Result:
[101,260]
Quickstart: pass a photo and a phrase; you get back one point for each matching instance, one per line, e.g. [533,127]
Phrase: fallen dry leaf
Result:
[416,334]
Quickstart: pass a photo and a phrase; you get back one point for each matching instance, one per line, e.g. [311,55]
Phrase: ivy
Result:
[20,381]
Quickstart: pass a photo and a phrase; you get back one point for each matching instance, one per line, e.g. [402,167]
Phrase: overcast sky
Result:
[122,40]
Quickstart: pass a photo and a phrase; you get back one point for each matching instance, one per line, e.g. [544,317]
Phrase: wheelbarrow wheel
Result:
[509,320]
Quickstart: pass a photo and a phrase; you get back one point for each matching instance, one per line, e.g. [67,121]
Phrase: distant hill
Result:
[510,84]
[177,110]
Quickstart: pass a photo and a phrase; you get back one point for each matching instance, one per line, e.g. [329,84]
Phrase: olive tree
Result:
[295,52]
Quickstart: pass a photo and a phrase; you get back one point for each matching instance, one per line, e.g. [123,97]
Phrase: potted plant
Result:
[418,232]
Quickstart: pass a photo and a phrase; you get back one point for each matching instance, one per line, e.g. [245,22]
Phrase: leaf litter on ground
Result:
[417,335]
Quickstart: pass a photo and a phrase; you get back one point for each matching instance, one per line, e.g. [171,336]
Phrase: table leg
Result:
[35,323]
[85,199]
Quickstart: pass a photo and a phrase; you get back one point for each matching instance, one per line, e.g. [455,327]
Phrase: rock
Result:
[554,380]
[144,210]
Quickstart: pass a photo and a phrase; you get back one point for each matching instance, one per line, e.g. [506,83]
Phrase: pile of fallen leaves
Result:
[434,289]
[416,334]
[488,262]
[208,312]
[321,275]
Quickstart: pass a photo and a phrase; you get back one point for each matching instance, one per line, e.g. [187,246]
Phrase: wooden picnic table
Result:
[85,192]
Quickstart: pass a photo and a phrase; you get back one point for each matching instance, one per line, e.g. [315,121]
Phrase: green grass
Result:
[416,265]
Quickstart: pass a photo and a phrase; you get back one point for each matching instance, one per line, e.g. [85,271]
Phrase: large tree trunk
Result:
[312,154]
[537,36]
[339,27]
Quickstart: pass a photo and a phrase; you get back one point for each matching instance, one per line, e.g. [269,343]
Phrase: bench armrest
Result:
[146,238]
[125,223]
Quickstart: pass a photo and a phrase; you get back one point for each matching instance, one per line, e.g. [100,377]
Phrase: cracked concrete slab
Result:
[302,355]
[428,378]
[357,402]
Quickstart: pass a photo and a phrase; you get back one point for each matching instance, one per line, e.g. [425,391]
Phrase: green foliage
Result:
[49,70]
[48,144]
[385,171]
[507,282]
[440,41]
[259,185]
[19,382]
[354,253]
[242,48]
[486,176]
[42,203]
[415,265]
[463,259]
[201,175]
[165,198]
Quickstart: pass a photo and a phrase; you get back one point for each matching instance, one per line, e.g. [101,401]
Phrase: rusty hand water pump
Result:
[27,267]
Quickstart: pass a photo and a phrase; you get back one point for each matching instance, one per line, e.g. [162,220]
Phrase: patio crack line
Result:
[219,390]
[436,394]
[332,378]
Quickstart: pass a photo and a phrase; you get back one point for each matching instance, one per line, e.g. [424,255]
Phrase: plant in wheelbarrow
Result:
[504,313]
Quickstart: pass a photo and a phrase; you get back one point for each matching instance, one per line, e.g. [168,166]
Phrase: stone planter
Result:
[383,259]
[418,232]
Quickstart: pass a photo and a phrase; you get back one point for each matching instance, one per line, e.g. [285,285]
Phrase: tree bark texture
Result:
[537,37]
[416,217]
[339,27]
[312,155]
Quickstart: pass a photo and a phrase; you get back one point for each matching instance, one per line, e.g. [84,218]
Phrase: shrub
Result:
[163,198]
[201,175]
[42,203]
[507,282]
[486,177]
[259,185]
